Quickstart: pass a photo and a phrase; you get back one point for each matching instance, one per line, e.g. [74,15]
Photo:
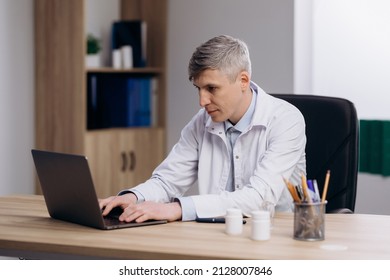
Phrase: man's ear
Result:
[244,80]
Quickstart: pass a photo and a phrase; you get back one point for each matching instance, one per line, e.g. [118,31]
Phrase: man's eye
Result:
[211,89]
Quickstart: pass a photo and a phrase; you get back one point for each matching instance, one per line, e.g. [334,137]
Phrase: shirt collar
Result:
[245,121]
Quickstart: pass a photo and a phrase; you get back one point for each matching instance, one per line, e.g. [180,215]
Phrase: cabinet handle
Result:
[124,161]
[132,161]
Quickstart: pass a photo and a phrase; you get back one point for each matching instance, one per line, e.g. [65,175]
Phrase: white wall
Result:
[16,96]
[352,53]
[100,14]
[303,46]
[351,59]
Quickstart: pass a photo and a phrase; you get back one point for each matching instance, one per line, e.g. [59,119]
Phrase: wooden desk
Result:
[26,230]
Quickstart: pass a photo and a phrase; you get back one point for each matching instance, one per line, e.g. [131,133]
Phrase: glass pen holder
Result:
[309,221]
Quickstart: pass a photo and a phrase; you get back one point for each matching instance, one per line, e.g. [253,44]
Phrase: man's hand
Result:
[122,201]
[151,210]
[140,212]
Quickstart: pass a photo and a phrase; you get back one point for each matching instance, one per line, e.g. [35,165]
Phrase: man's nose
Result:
[204,98]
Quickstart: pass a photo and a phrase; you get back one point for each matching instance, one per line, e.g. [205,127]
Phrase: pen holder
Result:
[309,221]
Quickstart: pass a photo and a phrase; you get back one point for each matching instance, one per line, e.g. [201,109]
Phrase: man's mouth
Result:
[211,111]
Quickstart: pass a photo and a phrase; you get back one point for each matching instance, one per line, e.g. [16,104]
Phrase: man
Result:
[237,148]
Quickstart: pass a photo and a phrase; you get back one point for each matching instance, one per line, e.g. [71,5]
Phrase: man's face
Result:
[222,98]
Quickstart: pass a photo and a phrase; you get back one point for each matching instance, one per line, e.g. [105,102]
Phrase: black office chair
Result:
[332,133]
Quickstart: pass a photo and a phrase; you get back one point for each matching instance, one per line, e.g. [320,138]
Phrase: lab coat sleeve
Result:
[178,172]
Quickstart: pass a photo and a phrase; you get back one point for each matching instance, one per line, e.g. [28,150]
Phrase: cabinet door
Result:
[148,152]
[123,158]
[102,151]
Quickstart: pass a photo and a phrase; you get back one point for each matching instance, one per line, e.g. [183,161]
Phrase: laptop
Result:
[70,194]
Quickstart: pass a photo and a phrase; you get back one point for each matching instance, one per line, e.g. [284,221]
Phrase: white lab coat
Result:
[272,147]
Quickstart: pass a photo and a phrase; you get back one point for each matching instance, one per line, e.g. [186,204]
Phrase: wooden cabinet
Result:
[118,157]
[122,158]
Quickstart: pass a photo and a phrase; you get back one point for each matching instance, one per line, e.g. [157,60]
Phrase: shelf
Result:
[116,129]
[145,70]
[62,93]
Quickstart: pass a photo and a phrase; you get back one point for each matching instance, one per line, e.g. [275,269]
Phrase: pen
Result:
[316,190]
[213,220]
[310,185]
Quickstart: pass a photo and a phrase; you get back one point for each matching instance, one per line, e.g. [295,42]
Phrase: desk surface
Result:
[26,230]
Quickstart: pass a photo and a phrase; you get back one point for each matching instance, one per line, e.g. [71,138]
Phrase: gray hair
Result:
[224,53]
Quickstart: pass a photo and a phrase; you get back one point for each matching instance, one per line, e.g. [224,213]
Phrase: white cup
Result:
[233,221]
[127,57]
[261,225]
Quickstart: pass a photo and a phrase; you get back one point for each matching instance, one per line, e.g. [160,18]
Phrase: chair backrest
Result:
[332,133]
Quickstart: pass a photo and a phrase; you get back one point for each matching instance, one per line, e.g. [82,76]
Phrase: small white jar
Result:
[233,221]
[261,225]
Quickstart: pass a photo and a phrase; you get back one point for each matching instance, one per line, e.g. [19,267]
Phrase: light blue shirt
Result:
[271,147]
[233,132]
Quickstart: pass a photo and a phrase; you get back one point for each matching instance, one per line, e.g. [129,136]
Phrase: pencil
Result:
[305,191]
[326,184]
[292,190]
[307,196]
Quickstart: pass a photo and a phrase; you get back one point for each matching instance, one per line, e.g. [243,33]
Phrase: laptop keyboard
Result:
[113,217]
